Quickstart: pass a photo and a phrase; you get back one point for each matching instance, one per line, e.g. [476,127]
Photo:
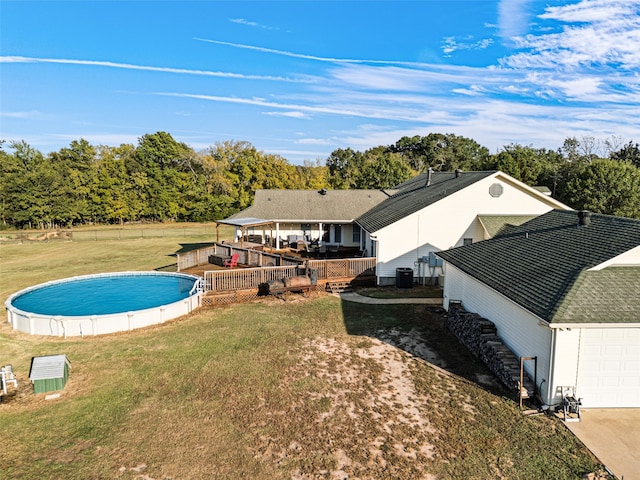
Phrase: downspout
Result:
[552,362]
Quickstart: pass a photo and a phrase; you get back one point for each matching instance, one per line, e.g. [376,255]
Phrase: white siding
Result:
[632,257]
[446,223]
[602,364]
[521,331]
[565,363]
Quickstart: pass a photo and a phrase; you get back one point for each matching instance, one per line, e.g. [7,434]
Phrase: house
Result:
[437,211]
[325,215]
[565,288]
[48,373]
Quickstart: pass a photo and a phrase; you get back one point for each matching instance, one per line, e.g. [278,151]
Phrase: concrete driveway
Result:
[613,435]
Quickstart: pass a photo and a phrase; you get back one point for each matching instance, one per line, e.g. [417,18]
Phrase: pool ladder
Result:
[198,287]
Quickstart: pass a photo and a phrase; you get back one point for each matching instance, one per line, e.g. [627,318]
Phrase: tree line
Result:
[161,179]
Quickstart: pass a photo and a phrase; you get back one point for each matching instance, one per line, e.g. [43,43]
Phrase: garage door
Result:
[609,372]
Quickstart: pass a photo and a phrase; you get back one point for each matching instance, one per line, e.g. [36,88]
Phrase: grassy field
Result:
[305,389]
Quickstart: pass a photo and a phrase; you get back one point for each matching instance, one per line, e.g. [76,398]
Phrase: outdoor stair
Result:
[339,287]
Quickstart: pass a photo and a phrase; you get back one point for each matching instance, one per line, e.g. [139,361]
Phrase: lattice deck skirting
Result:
[238,296]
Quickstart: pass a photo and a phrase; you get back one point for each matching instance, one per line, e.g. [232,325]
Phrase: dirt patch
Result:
[364,386]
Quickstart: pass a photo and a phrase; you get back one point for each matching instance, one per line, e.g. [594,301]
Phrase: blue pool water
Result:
[103,295]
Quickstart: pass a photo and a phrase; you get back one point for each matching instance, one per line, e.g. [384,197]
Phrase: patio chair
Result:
[231,262]
[7,376]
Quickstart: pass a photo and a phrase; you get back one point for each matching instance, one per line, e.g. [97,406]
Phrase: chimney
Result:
[429,176]
[584,217]
[458,172]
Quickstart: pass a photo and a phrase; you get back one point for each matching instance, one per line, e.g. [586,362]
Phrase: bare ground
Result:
[386,403]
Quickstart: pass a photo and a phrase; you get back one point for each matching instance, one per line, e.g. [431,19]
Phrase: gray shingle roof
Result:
[541,265]
[496,224]
[311,205]
[414,195]
[602,296]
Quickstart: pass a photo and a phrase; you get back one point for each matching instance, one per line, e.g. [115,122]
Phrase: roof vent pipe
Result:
[458,172]
[584,217]
[429,176]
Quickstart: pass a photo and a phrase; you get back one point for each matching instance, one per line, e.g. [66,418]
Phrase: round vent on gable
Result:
[496,190]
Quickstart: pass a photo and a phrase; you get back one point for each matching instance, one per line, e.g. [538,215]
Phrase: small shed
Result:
[49,373]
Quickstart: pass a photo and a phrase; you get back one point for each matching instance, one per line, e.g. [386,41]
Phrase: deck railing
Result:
[257,258]
[246,278]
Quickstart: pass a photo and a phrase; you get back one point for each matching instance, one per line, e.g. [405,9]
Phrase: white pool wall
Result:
[74,326]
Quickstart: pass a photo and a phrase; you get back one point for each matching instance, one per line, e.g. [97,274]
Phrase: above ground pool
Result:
[104,303]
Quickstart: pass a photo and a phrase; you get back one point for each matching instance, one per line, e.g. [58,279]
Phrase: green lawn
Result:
[310,388]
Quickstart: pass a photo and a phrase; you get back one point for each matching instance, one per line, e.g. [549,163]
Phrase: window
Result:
[337,233]
[356,234]
[325,232]
[467,241]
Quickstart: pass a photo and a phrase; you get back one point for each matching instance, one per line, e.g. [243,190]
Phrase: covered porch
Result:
[319,238]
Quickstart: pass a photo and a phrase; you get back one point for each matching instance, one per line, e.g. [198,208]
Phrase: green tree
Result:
[629,153]
[383,169]
[108,188]
[344,168]
[312,176]
[527,164]
[442,152]
[606,186]
[164,167]
[237,169]
[28,184]
[70,202]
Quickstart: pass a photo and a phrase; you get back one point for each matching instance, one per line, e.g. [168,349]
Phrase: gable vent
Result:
[496,190]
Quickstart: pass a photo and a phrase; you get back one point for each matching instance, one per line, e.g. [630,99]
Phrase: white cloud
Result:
[580,67]
[451,44]
[248,23]
[128,66]
[313,141]
[30,115]
[595,33]
[290,114]
[472,90]
[513,18]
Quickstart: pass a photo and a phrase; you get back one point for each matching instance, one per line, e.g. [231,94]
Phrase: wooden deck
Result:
[257,266]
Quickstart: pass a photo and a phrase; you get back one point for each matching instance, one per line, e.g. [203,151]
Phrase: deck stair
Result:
[339,287]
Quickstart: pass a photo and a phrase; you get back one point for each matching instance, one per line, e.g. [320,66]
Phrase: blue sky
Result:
[302,78]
